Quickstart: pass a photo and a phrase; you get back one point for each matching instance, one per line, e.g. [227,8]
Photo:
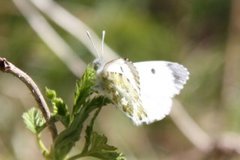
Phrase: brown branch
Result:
[8,67]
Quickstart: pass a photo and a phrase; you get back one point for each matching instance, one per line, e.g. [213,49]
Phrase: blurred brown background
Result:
[203,35]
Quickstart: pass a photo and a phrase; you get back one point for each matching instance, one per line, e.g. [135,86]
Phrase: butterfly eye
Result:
[97,64]
[153,71]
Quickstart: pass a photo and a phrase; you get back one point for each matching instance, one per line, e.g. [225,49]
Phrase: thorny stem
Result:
[8,67]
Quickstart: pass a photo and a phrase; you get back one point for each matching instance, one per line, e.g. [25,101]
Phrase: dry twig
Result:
[8,67]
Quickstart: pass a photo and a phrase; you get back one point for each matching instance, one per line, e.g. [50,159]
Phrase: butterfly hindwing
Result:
[121,81]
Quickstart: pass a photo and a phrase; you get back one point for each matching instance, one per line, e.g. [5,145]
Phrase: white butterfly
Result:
[142,90]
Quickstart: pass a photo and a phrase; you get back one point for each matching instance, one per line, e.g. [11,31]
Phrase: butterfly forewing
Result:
[159,82]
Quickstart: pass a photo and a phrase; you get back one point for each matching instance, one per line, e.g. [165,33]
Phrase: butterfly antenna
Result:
[102,47]
[90,37]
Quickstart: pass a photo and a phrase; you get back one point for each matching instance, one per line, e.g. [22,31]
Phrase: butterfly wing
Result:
[143,90]
[159,82]
[120,81]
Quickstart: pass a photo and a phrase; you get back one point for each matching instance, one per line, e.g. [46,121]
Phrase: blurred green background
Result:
[196,33]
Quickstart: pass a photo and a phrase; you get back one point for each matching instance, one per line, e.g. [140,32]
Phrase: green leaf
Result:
[34,120]
[89,131]
[96,102]
[85,101]
[81,109]
[100,149]
[51,94]
[67,138]
[60,109]
[96,145]
[84,88]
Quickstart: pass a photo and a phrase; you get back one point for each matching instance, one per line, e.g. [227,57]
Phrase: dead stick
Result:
[8,67]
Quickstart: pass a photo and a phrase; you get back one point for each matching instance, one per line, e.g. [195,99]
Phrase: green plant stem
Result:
[45,151]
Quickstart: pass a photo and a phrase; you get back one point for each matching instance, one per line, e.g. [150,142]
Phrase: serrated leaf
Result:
[84,88]
[96,145]
[34,120]
[85,101]
[60,109]
[68,137]
[96,102]
[51,94]
[100,149]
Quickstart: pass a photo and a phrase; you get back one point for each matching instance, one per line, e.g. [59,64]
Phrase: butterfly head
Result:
[98,64]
